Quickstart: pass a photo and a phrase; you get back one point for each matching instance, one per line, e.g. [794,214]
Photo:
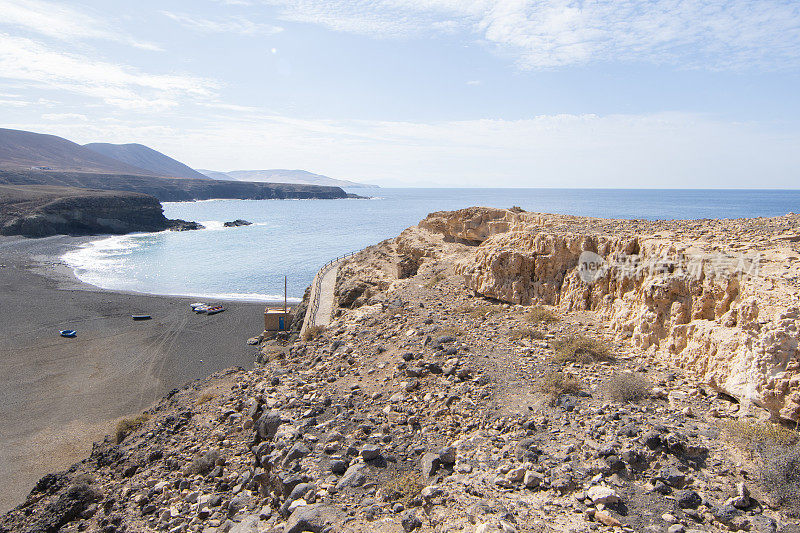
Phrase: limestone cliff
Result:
[716,297]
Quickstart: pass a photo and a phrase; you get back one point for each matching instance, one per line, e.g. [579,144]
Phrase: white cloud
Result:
[65,116]
[118,85]
[713,34]
[637,151]
[59,21]
[240,25]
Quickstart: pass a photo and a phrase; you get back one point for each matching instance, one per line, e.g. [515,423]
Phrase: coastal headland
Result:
[488,370]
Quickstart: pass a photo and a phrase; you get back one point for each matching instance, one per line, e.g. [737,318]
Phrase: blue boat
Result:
[68,332]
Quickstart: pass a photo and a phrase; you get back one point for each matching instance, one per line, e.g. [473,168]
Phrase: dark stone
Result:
[236,223]
[688,499]
[267,425]
[410,521]
[338,466]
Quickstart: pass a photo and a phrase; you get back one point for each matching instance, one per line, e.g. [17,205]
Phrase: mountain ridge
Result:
[142,156]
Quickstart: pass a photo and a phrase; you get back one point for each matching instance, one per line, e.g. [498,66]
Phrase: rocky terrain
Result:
[40,211]
[474,381]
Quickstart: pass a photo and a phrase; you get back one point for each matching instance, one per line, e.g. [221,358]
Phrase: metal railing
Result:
[313,307]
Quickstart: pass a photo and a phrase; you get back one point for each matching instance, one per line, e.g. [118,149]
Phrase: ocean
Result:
[293,238]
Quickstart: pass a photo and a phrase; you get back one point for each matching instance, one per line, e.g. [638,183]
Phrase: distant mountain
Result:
[25,150]
[144,157]
[283,176]
[215,175]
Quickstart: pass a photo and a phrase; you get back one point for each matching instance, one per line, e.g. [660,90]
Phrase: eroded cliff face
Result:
[40,213]
[718,298]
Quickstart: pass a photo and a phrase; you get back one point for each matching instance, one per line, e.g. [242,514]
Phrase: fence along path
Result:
[320,304]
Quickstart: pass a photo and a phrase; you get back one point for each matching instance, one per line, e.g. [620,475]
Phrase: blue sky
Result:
[553,93]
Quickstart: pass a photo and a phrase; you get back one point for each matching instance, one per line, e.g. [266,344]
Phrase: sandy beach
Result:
[58,395]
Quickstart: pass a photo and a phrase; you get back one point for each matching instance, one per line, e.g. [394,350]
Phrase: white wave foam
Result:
[239,296]
[213,225]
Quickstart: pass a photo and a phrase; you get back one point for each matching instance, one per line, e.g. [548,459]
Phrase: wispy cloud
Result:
[58,21]
[712,34]
[240,25]
[122,86]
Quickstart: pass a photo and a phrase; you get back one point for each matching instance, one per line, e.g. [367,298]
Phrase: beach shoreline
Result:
[59,395]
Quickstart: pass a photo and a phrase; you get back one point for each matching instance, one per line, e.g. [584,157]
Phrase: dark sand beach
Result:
[58,395]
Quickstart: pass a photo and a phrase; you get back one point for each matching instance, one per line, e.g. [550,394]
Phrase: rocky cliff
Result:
[170,189]
[37,211]
[716,297]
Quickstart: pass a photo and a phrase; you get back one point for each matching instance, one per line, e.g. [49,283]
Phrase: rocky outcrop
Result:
[716,297]
[43,211]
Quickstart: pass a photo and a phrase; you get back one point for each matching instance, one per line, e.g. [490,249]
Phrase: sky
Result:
[456,93]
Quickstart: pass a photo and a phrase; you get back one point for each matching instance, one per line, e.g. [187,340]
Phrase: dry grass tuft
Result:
[526,333]
[554,384]
[126,426]
[626,387]
[404,487]
[580,349]
[540,315]
[205,398]
[313,332]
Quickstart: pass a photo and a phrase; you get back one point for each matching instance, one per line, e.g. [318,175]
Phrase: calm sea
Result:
[294,237]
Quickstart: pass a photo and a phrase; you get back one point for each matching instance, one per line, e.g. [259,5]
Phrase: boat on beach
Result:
[68,333]
[214,310]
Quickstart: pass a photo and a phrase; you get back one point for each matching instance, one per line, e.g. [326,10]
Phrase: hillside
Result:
[278,175]
[144,157]
[471,380]
[170,189]
[22,150]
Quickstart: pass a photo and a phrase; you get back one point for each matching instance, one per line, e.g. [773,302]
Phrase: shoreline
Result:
[60,395]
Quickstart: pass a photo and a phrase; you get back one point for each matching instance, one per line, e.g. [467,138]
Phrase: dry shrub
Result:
[312,332]
[434,280]
[780,476]
[126,426]
[453,331]
[203,463]
[554,384]
[206,397]
[753,435]
[626,387]
[526,333]
[540,315]
[404,487]
[580,349]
